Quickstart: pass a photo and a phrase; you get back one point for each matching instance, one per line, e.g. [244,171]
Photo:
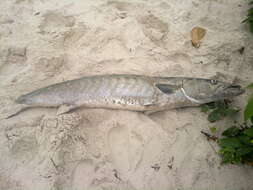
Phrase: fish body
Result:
[129,92]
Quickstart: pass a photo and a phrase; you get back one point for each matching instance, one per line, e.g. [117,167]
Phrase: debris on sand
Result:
[197,34]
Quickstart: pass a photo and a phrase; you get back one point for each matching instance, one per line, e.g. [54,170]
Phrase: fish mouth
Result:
[234,90]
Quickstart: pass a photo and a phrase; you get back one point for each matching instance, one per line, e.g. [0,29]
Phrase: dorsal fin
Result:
[166,88]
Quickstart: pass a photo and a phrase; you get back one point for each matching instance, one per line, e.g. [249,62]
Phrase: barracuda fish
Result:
[129,92]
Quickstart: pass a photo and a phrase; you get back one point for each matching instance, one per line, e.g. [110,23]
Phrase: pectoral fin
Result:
[166,88]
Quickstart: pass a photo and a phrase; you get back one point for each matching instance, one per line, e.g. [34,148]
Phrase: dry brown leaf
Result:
[197,34]
[249,163]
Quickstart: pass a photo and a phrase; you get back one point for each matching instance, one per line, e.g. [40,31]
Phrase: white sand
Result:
[44,42]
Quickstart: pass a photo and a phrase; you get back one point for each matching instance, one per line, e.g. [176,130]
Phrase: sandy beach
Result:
[45,42]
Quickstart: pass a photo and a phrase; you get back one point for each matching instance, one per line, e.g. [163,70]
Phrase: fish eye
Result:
[214,82]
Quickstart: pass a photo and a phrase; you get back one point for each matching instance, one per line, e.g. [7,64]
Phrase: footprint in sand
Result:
[22,143]
[83,175]
[154,28]
[119,146]
[122,6]
[126,149]
[49,67]
[54,21]
[14,60]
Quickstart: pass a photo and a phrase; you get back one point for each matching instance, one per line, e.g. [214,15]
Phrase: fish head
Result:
[208,90]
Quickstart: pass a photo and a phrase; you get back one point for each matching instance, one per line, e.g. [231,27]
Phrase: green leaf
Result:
[248,112]
[230,132]
[248,132]
[227,149]
[245,139]
[230,142]
[213,129]
[244,150]
[250,85]
[204,108]
[229,156]
[231,111]
[214,116]
[245,20]
[251,25]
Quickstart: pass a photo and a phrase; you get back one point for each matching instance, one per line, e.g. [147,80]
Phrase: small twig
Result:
[241,50]
[156,167]
[116,174]
[170,163]
[209,137]
[56,166]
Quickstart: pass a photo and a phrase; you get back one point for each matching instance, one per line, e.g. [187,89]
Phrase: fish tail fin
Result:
[13,111]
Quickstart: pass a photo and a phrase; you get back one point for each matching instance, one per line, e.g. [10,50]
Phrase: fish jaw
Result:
[229,92]
[234,90]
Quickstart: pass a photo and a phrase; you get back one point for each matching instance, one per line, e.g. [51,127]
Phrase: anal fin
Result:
[150,112]
[16,111]
[65,108]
